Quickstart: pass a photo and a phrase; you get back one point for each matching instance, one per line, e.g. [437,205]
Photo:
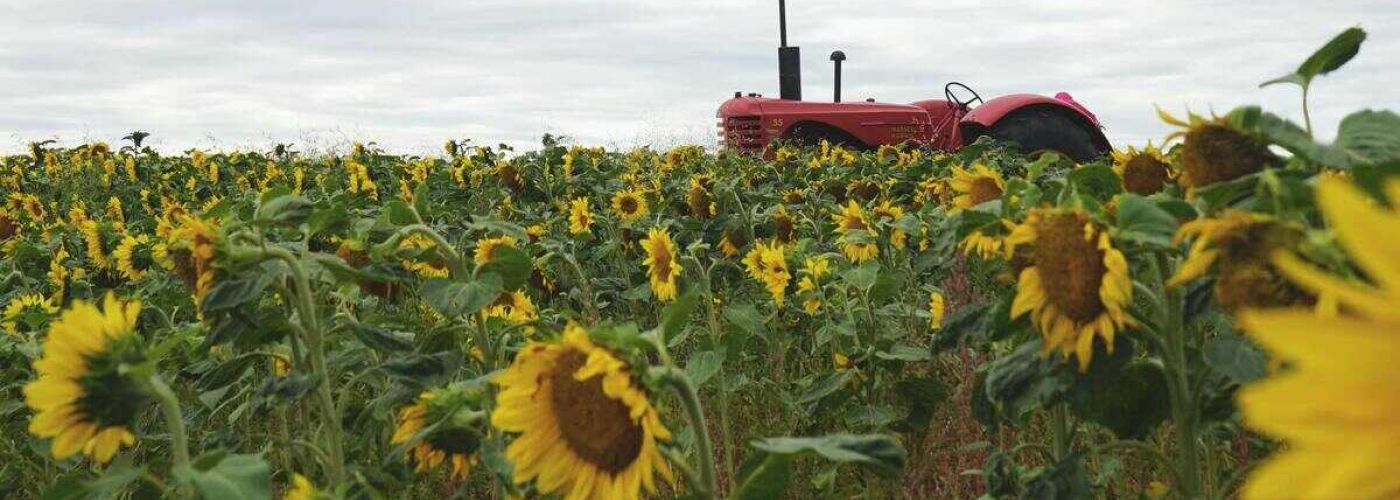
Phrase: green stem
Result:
[1179,387]
[1307,116]
[170,408]
[1061,431]
[306,311]
[696,414]
[727,441]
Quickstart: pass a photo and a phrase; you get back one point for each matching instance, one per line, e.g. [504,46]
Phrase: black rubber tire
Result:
[1039,128]
[811,133]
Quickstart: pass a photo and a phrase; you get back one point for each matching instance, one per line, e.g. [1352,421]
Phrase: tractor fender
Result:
[996,108]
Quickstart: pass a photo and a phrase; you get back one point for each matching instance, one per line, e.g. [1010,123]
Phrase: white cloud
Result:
[411,74]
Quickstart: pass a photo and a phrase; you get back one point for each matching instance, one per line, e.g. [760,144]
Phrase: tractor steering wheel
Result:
[948,94]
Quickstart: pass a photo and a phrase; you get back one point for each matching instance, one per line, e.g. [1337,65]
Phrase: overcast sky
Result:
[410,74]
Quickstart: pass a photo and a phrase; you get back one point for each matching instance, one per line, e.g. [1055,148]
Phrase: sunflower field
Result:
[1208,317]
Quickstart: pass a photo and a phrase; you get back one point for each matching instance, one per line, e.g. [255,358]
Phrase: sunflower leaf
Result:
[219,474]
[1332,56]
[877,452]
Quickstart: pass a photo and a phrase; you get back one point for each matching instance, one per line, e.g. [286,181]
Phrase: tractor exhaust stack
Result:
[789,61]
[836,58]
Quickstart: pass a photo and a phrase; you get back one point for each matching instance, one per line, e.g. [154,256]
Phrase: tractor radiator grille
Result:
[742,133]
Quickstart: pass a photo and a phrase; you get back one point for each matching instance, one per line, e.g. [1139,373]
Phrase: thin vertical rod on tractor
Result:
[782,23]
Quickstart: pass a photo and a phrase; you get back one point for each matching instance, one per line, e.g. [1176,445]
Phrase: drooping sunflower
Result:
[95,243]
[515,307]
[630,205]
[699,199]
[1335,401]
[1078,287]
[426,263]
[1235,246]
[662,267]
[580,216]
[851,220]
[1143,172]
[731,241]
[451,442]
[193,251]
[135,255]
[79,398]
[937,305]
[8,225]
[767,263]
[1213,150]
[587,430]
[23,310]
[59,274]
[783,225]
[975,186]
[486,248]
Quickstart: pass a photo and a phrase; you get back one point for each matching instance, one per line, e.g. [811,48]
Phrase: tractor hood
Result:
[757,105]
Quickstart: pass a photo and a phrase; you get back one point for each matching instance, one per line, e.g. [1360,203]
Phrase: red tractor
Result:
[751,122]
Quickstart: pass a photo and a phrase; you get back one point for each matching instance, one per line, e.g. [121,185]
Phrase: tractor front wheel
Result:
[1037,129]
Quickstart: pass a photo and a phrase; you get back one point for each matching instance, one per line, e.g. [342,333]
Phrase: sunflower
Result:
[1236,246]
[767,263]
[24,309]
[890,213]
[81,399]
[59,274]
[852,218]
[486,248]
[193,252]
[731,241]
[937,305]
[95,241]
[425,263]
[1143,172]
[629,205]
[1078,287]
[699,199]
[448,442]
[301,489]
[1335,402]
[8,226]
[662,267]
[580,216]
[783,225]
[987,242]
[975,186]
[134,256]
[813,270]
[515,307]
[587,430]
[1212,150]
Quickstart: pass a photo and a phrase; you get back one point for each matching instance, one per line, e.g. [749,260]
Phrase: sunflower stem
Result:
[696,414]
[175,422]
[1179,384]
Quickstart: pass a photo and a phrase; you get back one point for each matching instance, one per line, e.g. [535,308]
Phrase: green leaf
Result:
[824,386]
[454,298]
[69,486]
[287,209]
[921,395]
[677,313]
[1098,181]
[1369,138]
[745,316]
[1142,221]
[862,277]
[397,212]
[900,352]
[1327,59]
[221,475]
[116,479]
[703,365]
[512,264]
[423,368]
[1024,380]
[231,293]
[1129,400]
[1065,480]
[877,452]
[1234,356]
[765,476]
[382,340]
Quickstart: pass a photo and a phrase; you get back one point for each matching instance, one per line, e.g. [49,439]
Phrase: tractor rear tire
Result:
[1036,129]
